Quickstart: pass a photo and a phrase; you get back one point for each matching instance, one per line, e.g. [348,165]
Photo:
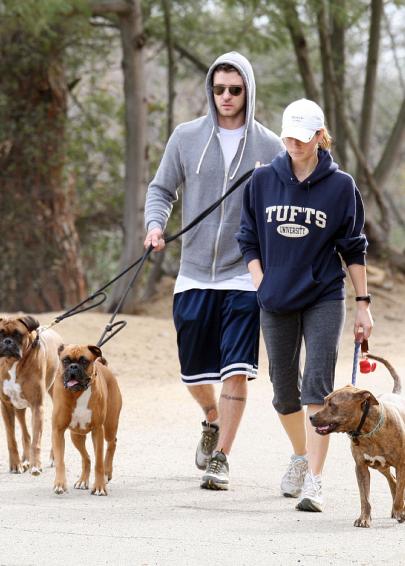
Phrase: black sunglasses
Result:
[234,90]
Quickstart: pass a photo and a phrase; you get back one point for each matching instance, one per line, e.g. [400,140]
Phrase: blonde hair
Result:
[326,141]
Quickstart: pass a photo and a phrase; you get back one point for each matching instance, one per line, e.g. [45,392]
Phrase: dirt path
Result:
[156,514]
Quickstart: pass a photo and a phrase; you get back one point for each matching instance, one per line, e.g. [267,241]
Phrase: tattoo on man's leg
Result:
[231,398]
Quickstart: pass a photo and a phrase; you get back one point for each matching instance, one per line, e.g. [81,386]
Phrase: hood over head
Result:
[246,71]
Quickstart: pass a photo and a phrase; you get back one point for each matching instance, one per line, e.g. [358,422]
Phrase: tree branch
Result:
[392,147]
[118,7]
[202,67]
[394,52]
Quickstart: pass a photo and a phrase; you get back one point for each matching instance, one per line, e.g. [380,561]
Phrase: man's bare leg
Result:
[232,404]
[205,397]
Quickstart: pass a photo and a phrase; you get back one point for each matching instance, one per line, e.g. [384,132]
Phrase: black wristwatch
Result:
[366,298]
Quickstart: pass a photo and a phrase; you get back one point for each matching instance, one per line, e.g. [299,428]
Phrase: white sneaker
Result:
[217,473]
[311,495]
[293,479]
[207,444]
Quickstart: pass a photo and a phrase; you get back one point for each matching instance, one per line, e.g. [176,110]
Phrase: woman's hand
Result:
[257,279]
[256,271]
[363,323]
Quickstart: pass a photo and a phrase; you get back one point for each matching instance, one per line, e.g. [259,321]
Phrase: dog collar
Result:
[356,433]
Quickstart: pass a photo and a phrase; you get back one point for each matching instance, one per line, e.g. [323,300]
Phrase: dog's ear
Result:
[364,395]
[61,348]
[29,322]
[96,351]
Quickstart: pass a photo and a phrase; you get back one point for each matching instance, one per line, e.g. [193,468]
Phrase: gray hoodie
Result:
[193,160]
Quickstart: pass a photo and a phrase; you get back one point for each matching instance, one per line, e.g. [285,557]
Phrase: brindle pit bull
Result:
[377,431]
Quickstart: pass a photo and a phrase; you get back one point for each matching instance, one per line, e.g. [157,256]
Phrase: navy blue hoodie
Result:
[298,229]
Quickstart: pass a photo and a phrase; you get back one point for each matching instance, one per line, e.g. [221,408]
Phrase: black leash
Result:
[211,208]
[112,328]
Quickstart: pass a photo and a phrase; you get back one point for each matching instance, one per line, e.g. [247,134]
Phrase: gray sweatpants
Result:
[321,327]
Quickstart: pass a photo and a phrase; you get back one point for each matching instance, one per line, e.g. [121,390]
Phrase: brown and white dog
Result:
[86,398]
[28,364]
[377,431]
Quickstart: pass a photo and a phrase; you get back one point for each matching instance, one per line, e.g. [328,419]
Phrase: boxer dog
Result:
[376,427]
[28,364]
[86,398]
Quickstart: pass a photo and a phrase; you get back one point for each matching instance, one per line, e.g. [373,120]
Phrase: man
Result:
[215,309]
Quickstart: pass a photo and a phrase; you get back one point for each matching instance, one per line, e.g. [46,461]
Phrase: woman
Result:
[299,215]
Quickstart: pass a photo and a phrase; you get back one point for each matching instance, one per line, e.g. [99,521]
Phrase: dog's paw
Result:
[17,468]
[363,522]
[35,471]
[25,465]
[81,484]
[59,488]
[398,515]
[99,490]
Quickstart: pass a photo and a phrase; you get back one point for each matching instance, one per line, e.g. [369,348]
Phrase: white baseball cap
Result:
[301,119]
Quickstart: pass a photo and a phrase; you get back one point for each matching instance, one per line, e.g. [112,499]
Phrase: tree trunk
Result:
[333,69]
[378,227]
[133,40]
[339,63]
[40,268]
[371,77]
[171,70]
[300,44]
[156,272]
[370,83]
[324,28]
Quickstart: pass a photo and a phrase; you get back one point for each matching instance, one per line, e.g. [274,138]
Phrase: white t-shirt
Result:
[229,143]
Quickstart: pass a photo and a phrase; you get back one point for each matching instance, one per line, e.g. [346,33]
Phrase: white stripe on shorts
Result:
[226,372]
[238,369]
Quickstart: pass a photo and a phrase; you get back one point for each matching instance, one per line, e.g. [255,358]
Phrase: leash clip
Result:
[109,329]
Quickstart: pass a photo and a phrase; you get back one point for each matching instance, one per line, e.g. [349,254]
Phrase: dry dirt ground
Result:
[155,513]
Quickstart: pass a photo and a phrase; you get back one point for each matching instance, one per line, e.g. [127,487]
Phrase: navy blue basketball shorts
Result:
[217,334]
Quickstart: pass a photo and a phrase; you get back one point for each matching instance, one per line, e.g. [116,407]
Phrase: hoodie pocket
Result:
[286,289]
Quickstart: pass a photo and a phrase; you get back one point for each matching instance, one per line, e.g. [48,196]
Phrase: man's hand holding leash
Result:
[155,238]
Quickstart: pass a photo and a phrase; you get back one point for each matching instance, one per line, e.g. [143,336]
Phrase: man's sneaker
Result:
[207,444]
[293,479]
[311,495]
[217,473]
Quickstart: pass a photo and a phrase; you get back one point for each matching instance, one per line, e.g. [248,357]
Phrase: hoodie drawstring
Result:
[241,156]
[204,152]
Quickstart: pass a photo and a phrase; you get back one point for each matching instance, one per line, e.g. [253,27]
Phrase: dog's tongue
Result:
[322,428]
[72,383]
